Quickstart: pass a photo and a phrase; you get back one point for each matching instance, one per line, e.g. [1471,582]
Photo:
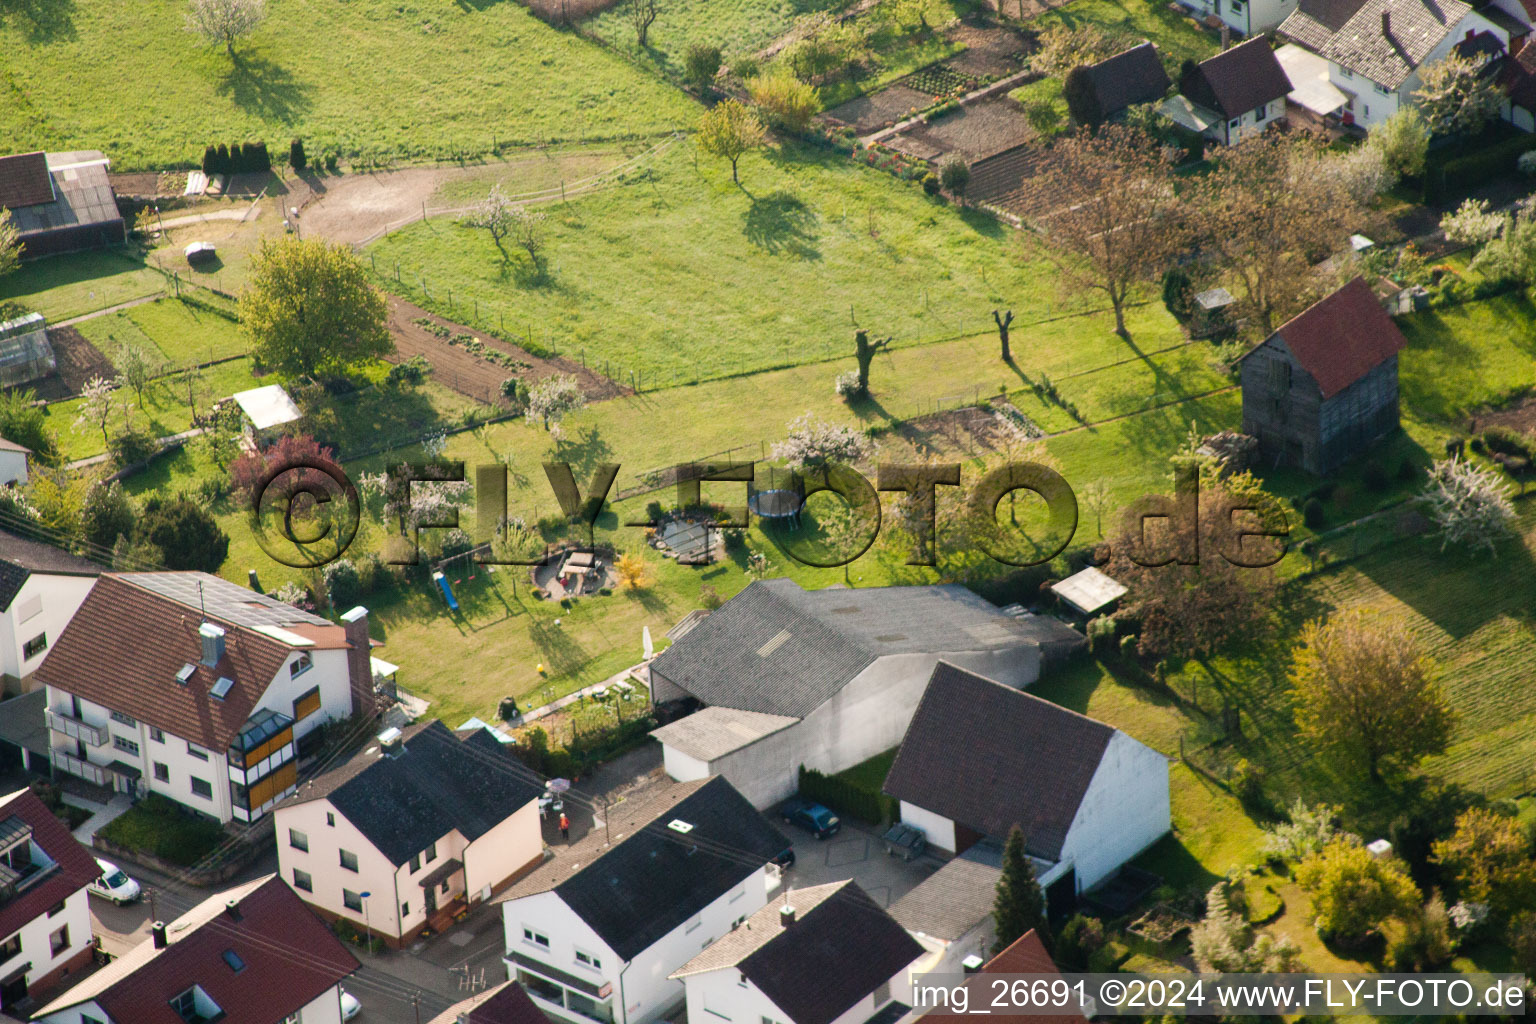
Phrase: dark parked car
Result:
[907,840]
[814,818]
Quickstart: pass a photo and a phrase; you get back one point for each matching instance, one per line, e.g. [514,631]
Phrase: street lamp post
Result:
[367,931]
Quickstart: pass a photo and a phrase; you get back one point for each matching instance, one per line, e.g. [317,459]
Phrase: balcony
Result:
[75,729]
[83,769]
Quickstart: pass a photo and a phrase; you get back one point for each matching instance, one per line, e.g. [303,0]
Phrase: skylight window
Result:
[233,960]
[679,825]
[184,675]
[222,687]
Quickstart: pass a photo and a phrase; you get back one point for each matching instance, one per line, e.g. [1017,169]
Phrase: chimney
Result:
[786,916]
[971,964]
[157,934]
[390,742]
[213,643]
[359,663]
[232,908]
[1386,24]
[254,581]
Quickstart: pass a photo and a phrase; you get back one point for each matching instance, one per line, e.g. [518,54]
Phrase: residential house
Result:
[1026,955]
[253,954]
[188,686]
[1129,77]
[41,588]
[61,202]
[1232,96]
[596,932]
[506,1003]
[45,924]
[13,463]
[426,822]
[1246,18]
[827,678]
[1323,387]
[1375,49]
[1518,80]
[950,911]
[827,954]
[981,757]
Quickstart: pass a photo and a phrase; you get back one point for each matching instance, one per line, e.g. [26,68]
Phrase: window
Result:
[741,979]
[405,910]
[233,960]
[37,645]
[415,864]
[307,704]
[1367,110]
[588,960]
[351,900]
[10,947]
[303,880]
[125,745]
[122,719]
[1259,114]
[431,853]
[693,925]
[201,755]
[156,735]
[56,909]
[738,894]
[883,993]
[58,942]
[162,772]
[349,860]
[1234,122]
[298,840]
[200,787]
[303,663]
[330,819]
[537,938]
[1383,89]
[1346,73]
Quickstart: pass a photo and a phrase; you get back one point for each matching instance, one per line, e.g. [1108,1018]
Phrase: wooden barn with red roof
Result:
[1323,387]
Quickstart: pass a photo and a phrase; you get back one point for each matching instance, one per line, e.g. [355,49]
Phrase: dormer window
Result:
[195,1007]
[303,663]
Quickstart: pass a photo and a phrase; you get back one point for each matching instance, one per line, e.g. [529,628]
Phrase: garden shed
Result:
[61,202]
[265,409]
[1088,592]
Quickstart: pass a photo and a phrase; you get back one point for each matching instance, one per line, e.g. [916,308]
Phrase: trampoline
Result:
[777,505]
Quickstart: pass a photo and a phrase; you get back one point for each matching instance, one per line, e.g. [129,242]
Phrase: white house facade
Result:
[13,463]
[1243,17]
[41,588]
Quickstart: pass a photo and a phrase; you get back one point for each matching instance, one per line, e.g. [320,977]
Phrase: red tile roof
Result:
[125,645]
[1518,76]
[1341,338]
[1026,956]
[290,957]
[24,180]
[76,866]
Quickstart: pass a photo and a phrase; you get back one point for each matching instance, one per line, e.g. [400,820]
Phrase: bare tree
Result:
[1269,217]
[1003,323]
[529,236]
[224,21]
[642,13]
[494,213]
[1118,218]
[138,369]
[98,405]
[191,385]
[865,351]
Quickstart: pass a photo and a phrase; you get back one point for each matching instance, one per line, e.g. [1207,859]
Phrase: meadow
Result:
[376,80]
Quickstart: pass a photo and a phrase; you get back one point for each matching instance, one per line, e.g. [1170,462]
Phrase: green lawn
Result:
[380,79]
[161,828]
[176,332]
[1176,36]
[898,51]
[681,275]
[60,287]
[736,26]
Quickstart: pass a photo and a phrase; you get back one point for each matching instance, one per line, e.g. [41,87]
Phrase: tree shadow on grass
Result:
[41,21]
[561,654]
[782,223]
[265,88]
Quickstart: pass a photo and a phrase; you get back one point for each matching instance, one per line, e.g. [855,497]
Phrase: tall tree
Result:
[1020,904]
[221,22]
[10,243]
[1116,217]
[1489,859]
[730,130]
[139,368]
[1469,504]
[1457,96]
[554,398]
[1268,217]
[1354,893]
[185,534]
[310,309]
[26,423]
[1365,691]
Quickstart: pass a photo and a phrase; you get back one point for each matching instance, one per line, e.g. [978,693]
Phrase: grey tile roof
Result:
[1417,26]
[990,757]
[1129,77]
[956,898]
[716,731]
[83,195]
[439,783]
[840,947]
[1238,80]
[654,877]
[780,650]
[1314,22]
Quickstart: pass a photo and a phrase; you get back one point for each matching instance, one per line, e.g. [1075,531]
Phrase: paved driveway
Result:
[855,853]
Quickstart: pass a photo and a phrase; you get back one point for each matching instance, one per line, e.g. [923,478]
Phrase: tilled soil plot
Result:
[454,366]
[78,361]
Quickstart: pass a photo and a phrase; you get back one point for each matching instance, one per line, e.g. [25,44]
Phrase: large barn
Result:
[61,202]
[1323,387]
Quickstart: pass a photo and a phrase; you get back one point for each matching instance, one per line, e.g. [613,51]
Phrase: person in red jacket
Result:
[565,827]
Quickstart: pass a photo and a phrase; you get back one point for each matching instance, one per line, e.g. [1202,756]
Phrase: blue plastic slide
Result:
[442,583]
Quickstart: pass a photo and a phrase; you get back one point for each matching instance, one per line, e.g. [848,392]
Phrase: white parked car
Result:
[114,884]
[350,1007]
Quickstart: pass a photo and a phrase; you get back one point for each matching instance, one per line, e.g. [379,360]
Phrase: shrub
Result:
[1353,893]
[1374,476]
[412,371]
[709,597]
[1522,941]
[745,66]
[1078,940]
[343,584]
[296,158]
[1312,513]
[954,175]
[931,183]
[1425,942]
[1248,785]
[847,385]
[787,102]
[106,514]
[1178,293]
[1505,441]
[700,64]
[1128,646]
[186,535]
[1101,631]
[132,447]
[212,489]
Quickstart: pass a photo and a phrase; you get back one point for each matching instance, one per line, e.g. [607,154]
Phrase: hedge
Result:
[1458,175]
[846,797]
